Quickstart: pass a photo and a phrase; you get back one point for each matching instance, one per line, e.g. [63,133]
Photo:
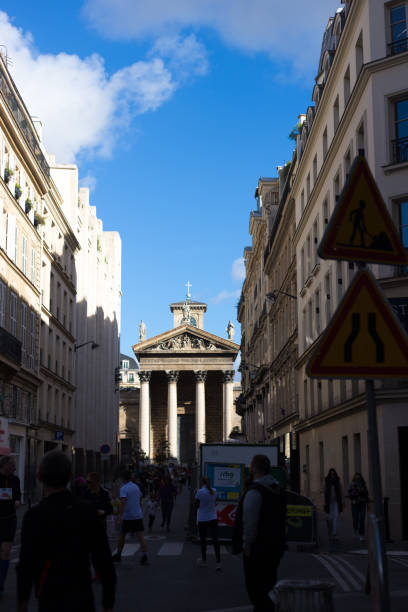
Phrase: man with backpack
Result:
[260,531]
[59,539]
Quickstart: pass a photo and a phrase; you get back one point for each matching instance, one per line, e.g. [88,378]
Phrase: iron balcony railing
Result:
[400,150]
[10,347]
[398,46]
[27,130]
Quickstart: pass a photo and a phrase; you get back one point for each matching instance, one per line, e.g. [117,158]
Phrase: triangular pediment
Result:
[186,339]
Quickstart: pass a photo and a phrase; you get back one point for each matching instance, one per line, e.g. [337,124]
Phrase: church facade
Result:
[186,385]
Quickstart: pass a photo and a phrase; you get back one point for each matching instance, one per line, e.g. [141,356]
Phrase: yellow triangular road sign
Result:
[361,228]
[364,339]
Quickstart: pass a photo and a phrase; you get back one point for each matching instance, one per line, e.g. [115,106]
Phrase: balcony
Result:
[398,46]
[10,347]
[16,108]
[400,150]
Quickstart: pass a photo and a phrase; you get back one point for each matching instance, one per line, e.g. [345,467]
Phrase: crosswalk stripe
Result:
[332,570]
[223,550]
[399,561]
[171,549]
[337,562]
[130,549]
[356,572]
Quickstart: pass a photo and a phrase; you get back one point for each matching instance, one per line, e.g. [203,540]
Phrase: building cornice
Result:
[47,373]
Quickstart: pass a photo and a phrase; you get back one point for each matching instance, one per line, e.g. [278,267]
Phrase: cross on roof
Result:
[188,285]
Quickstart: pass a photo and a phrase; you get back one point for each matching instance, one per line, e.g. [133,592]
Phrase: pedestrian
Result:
[59,538]
[166,496]
[10,497]
[98,496]
[78,487]
[358,494]
[131,518]
[151,509]
[333,501]
[260,532]
[207,521]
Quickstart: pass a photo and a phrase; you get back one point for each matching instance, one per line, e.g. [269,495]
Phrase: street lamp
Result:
[274,294]
[78,346]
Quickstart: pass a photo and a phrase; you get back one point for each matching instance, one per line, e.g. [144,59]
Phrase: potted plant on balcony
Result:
[17,191]
[8,173]
[38,219]
[28,205]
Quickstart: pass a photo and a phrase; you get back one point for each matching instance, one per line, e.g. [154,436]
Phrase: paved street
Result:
[173,582]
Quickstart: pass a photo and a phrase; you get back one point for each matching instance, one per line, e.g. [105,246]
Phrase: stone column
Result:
[144,411]
[228,401]
[200,377]
[172,377]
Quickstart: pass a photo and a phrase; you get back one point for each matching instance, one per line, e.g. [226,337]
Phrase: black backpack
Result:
[276,521]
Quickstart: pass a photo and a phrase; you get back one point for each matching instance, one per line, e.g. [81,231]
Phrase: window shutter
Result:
[31,213]
[23,190]
[2,157]
[2,303]
[2,225]
[11,236]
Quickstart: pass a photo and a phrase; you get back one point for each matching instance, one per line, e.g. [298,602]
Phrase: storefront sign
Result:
[4,437]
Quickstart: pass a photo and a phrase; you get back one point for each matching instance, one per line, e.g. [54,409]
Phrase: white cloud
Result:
[88,181]
[226,295]
[83,108]
[286,31]
[186,55]
[238,269]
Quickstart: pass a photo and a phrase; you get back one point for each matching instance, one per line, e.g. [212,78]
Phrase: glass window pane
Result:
[399,31]
[398,13]
[404,222]
[402,109]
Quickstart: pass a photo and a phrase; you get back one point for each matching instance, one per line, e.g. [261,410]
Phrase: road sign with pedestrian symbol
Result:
[361,228]
[364,339]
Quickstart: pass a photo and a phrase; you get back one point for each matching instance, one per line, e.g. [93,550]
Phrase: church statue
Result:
[186,313]
[142,331]
[230,330]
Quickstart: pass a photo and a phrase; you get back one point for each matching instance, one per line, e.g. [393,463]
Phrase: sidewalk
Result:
[347,540]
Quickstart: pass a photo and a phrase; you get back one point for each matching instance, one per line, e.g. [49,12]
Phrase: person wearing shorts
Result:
[10,496]
[131,518]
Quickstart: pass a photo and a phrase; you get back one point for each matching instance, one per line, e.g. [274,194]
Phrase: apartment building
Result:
[59,301]
[253,315]
[360,105]
[129,387]
[98,334]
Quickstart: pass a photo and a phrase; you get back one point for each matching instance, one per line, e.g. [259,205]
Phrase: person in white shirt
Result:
[131,517]
[207,521]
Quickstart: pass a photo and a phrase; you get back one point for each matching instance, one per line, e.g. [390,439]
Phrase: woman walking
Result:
[207,521]
[358,494]
[333,500]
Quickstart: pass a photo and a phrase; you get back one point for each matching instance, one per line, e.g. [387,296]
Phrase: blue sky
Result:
[172,111]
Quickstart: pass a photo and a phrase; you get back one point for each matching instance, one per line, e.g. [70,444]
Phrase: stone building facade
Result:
[360,106]
[129,388]
[44,299]
[186,385]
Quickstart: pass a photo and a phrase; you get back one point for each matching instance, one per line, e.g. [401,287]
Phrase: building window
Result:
[400,144]
[308,186]
[359,54]
[24,255]
[314,169]
[324,142]
[315,241]
[357,452]
[327,290]
[345,453]
[13,313]
[125,364]
[325,213]
[336,113]
[2,303]
[131,377]
[33,321]
[32,267]
[346,86]
[317,312]
[398,24]
[302,201]
[23,328]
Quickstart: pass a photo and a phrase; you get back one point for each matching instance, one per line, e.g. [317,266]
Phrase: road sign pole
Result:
[375,476]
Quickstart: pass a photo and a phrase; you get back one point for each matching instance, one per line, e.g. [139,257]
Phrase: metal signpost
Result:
[364,339]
